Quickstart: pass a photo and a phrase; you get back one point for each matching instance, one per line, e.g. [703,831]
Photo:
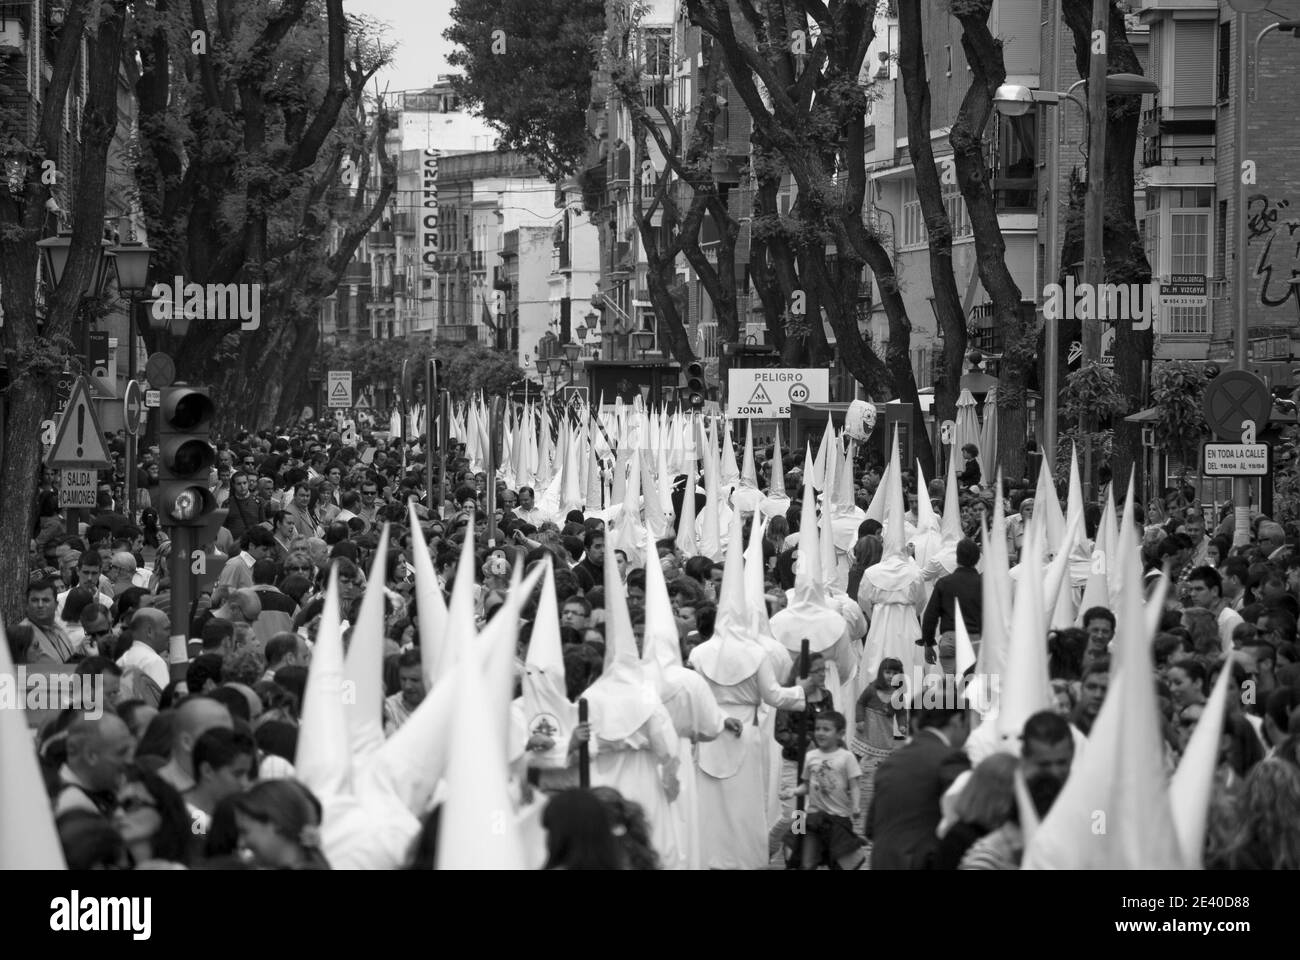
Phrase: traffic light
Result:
[695,389]
[187,457]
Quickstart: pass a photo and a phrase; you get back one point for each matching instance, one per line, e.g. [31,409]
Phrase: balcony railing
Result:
[457,333]
[357,273]
[383,238]
[1176,150]
[404,223]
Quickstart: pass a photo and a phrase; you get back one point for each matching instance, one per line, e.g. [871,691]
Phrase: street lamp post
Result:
[1246,95]
[131,261]
[1013,101]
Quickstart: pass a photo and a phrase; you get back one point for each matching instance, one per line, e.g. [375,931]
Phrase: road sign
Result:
[153,398]
[132,407]
[79,443]
[1235,396]
[339,389]
[575,395]
[63,391]
[1237,459]
[101,377]
[160,370]
[78,488]
[767,393]
[362,403]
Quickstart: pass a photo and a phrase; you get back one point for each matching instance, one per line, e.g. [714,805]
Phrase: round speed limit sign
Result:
[799,392]
[947,430]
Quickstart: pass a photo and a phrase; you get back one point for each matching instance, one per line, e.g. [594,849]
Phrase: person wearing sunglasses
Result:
[97,630]
[153,822]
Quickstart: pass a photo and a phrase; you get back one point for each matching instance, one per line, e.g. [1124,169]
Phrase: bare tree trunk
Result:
[1125,258]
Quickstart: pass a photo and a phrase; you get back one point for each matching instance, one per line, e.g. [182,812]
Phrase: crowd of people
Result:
[789,620]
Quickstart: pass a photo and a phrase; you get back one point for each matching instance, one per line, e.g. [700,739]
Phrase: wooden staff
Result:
[800,802]
[584,757]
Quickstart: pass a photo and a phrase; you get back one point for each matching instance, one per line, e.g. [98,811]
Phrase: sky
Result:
[416,28]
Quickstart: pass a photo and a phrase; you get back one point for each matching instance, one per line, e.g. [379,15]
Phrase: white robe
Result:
[731,773]
[632,767]
[695,716]
[894,591]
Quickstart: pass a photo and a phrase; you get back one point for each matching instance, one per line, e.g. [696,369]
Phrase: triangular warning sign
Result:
[80,442]
[340,391]
[362,403]
[760,395]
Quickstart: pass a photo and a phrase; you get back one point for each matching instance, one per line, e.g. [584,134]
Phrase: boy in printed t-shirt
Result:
[832,786]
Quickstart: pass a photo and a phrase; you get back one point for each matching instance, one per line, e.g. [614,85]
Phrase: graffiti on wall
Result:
[1279,258]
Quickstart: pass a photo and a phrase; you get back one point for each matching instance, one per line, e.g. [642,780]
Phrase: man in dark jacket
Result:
[904,812]
[963,586]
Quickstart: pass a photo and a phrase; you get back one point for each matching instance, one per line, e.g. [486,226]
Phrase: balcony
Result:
[1178,136]
[404,223]
[623,262]
[382,238]
[399,285]
[456,333]
[383,294]
[357,274]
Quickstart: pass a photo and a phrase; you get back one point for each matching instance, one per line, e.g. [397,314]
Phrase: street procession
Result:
[597,441]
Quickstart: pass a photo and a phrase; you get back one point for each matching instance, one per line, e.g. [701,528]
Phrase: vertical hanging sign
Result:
[429,212]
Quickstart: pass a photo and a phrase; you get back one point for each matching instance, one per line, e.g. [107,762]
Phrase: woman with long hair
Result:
[631,829]
[153,822]
[984,804]
[580,833]
[1265,834]
[279,824]
[866,553]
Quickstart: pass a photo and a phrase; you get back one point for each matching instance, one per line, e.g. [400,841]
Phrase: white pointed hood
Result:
[823,448]
[477,829]
[809,615]
[1114,812]
[894,534]
[546,703]
[1026,685]
[995,595]
[28,838]
[1047,510]
[709,525]
[1192,785]
[323,760]
[732,654]
[661,649]
[431,607]
[777,501]
[618,700]
[363,666]
[686,539]
[730,470]
[746,497]
[928,539]
[655,520]
[460,612]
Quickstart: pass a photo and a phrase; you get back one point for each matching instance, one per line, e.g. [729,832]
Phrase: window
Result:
[913,219]
[1016,181]
[1188,240]
[658,69]
[1222,84]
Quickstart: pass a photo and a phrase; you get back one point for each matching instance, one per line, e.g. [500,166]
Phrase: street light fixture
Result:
[643,339]
[1013,100]
[131,261]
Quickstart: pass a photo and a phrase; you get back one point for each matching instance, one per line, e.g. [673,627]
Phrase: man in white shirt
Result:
[151,633]
[527,510]
[88,568]
[258,544]
[1205,589]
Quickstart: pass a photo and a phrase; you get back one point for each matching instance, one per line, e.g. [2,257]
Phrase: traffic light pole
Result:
[182,597]
[430,429]
[132,438]
[444,443]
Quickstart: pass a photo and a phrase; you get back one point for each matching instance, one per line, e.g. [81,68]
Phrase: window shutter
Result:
[1018,27]
[1155,45]
[739,124]
[1194,63]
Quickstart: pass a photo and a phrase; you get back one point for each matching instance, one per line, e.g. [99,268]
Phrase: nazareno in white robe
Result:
[894,591]
[732,792]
